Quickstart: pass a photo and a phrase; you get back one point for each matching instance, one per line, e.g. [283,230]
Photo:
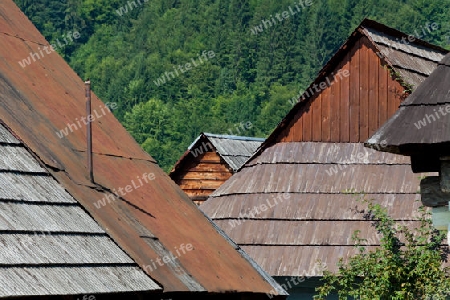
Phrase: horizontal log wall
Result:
[202,176]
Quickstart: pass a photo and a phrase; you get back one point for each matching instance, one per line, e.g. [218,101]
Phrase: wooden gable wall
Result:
[202,175]
[352,108]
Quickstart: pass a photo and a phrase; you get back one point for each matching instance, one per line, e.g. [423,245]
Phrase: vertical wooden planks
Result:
[364,92]
[395,92]
[285,135]
[374,67]
[383,77]
[354,93]
[293,128]
[317,117]
[344,101]
[335,104]
[298,130]
[351,108]
[307,122]
[326,98]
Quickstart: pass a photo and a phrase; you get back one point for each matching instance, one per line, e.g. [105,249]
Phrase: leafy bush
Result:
[407,265]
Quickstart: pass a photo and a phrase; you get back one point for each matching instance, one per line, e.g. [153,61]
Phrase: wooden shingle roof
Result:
[49,243]
[292,203]
[151,220]
[414,61]
[422,123]
[288,207]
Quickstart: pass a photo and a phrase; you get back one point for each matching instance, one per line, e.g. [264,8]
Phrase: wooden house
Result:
[420,129]
[209,161]
[291,207]
[128,228]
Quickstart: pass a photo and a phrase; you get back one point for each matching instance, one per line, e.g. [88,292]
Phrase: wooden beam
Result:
[441,217]
[431,193]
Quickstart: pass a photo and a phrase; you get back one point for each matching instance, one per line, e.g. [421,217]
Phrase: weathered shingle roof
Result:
[414,61]
[422,124]
[49,244]
[151,221]
[234,150]
[312,217]
[289,205]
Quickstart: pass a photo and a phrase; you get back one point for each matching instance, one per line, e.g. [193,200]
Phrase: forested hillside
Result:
[180,67]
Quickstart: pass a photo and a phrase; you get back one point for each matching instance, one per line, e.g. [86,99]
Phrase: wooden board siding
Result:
[202,176]
[344,104]
[353,107]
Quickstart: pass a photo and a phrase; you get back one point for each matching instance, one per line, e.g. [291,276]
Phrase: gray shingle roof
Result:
[421,126]
[288,207]
[49,244]
[235,150]
[414,61]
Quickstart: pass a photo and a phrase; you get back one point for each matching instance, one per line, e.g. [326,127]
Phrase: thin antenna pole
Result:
[87,84]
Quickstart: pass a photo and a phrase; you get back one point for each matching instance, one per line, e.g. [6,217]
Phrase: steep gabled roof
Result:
[411,63]
[151,220]
[422,124]
[234,150]
[289,205]
[50,245]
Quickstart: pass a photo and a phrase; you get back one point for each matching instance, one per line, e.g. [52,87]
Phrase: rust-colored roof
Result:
[289,205]
[422,124]
[150,221]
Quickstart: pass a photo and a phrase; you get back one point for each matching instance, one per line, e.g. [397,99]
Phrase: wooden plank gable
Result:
[202,175]
[351,108]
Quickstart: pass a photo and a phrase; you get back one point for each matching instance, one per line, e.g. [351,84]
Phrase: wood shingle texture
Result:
[209,161]
[421,126]
[421,129]
[291,205]
[149,220]
[49,244]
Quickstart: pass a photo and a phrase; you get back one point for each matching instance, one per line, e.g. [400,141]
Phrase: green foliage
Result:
[407,265]
[252,76]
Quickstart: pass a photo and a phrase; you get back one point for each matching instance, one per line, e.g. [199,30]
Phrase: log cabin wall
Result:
[351,108]
[202,175]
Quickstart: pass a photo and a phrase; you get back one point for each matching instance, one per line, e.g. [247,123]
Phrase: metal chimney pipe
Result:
[87,84]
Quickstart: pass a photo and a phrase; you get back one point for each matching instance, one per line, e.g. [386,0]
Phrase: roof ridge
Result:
[233,137]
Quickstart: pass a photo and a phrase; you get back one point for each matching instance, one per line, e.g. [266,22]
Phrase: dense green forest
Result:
[180,67]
